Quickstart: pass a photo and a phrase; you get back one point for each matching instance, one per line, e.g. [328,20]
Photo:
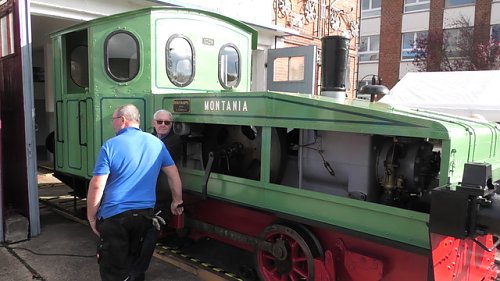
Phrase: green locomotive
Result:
[315,187]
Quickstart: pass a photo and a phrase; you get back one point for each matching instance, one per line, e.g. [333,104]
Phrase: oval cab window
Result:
[179,56]
[229,67]
[122,52]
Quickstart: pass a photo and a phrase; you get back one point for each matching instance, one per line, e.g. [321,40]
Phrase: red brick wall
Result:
[435,27]
[390,41]
[312,32]
[482,21]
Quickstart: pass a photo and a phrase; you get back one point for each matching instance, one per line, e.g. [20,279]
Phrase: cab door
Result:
[72,103]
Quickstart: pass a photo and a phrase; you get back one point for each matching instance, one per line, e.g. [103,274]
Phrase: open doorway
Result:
[42,27]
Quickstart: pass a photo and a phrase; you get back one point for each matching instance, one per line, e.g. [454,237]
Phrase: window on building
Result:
[122,53]
[6,35]
[370,8]
[454,3]
[409,44]
[369,48]
[457,40]
[416,5]
[179,55]
[495,32]
[229,66]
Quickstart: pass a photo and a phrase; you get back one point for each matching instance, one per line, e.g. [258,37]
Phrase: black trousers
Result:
[120,244]
[142,262]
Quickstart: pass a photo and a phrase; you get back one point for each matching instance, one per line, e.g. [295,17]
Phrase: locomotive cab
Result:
[116,60]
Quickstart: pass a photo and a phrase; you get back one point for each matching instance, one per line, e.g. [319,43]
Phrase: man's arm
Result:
[174,181]
[94,196]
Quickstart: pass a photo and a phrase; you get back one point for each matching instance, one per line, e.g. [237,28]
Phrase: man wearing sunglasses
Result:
[162,123]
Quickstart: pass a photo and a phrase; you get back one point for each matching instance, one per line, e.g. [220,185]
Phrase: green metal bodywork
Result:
[463,140]
[83,120]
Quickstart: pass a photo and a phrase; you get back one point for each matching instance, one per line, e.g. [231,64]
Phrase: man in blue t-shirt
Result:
[121,193]
[162,123]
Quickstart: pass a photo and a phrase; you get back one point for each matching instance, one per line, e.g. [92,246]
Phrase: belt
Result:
[148,213]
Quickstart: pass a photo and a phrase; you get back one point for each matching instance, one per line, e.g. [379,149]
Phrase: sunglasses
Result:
[166,122]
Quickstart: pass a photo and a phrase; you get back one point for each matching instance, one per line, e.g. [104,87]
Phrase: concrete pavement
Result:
[65,251]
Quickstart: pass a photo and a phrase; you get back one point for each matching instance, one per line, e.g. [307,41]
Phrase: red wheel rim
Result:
[297,264]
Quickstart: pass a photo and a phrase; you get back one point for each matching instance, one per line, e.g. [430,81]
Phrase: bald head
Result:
[126,116]
[130,112]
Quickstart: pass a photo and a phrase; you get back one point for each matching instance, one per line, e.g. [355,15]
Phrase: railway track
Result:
[56,196]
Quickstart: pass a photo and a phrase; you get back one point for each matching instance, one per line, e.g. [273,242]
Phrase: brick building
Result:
[314,19]
[389,28]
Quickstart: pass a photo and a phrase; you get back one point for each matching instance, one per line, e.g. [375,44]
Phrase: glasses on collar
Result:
[166,122]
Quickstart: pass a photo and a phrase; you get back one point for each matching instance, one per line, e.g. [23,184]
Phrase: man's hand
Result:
[92,223]
[94,196]
[176,207]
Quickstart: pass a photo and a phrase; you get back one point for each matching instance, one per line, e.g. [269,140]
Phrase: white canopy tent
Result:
[465,93]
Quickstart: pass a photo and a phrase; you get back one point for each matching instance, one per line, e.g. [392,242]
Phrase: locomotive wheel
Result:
[294,258]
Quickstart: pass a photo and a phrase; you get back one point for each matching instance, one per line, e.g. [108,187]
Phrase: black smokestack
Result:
[334,60]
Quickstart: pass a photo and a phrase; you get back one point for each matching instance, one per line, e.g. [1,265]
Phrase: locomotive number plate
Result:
[181,106]
[208,41]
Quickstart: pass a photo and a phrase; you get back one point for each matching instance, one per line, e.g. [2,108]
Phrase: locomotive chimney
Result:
[334,63]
